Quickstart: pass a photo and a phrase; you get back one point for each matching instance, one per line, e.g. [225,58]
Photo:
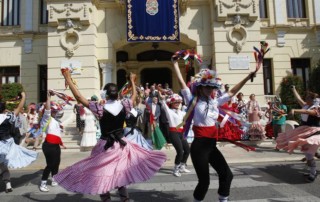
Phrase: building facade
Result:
[38,37]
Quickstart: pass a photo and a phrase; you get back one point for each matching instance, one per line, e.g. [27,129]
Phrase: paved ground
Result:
[265,175]
[264,153]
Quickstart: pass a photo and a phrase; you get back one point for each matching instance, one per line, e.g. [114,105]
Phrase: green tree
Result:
[314,84]
[9,93]
[286,94]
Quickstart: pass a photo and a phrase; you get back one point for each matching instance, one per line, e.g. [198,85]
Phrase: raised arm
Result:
[312,112]
[21,103]
[134,90]
[76,93]
[297,96]
[179,75]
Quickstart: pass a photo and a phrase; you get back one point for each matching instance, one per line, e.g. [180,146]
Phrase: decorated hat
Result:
[174,98]
[55,107]
[207,77]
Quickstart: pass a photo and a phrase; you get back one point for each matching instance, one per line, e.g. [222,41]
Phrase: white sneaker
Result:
[44,188]
[183,169]
[54,183]
[176,173]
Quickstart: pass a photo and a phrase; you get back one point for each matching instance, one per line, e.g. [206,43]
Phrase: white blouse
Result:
[175,117]
[205,113]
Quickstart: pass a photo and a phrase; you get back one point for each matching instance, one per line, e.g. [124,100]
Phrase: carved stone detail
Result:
[70,41]
[237,43]
[69,23]
[237,19]
[237,4]
[58,12]
[226,8]
[68,9]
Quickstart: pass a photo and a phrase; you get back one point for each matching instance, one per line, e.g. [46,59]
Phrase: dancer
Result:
[256,130]
[306,120]
[307,137]
[11,154]
[180,144]
[114,162]
[51,145]
[132,132]
[205,114]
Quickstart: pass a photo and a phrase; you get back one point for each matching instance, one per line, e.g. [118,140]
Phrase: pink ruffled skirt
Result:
[105,170]
[305,137]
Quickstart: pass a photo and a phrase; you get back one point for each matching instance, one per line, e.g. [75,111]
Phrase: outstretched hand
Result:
[66,73]
[133,77]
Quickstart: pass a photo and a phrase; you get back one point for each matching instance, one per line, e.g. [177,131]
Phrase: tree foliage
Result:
[9,92]
[286,94]
[314,84]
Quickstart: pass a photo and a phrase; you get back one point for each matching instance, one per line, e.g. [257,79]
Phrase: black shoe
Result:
[8,190]
[311,178]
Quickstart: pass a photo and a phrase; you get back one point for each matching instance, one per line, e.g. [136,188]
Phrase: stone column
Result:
[106,72]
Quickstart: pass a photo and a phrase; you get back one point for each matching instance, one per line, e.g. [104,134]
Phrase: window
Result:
[267,77]
[10,13]
[43,12]
[296,8]
[263,9]
[301,67]
[9,75]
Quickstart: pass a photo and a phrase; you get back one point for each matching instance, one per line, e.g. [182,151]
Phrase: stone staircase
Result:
[70,137]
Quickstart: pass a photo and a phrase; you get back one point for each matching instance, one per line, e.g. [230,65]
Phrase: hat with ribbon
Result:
[174,98]
[207,77]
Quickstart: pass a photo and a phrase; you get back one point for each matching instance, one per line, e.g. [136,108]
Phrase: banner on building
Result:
[152,20]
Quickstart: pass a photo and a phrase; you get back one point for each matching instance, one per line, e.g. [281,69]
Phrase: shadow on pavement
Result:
[156,196]
[281,173]
[57,198]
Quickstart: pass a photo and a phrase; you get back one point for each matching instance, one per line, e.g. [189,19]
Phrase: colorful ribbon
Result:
[259,55]
[66,98]
[188,56]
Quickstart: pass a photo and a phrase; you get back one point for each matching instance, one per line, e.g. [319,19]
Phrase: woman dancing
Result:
[306,137]
[205,114]
[114,162]
[51,145]
[180,144]
[11,154]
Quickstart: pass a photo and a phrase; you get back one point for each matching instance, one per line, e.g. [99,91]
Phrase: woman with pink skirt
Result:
[114,162]
[256,130]
[306,137]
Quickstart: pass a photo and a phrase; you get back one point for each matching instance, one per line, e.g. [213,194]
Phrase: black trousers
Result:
[181,146]
[52,152]
[204,152]
[164,127]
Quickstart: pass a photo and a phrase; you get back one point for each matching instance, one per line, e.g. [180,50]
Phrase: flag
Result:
[153,20]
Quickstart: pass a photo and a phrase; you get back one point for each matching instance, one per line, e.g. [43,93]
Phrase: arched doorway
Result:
[121,78]
[160,75]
